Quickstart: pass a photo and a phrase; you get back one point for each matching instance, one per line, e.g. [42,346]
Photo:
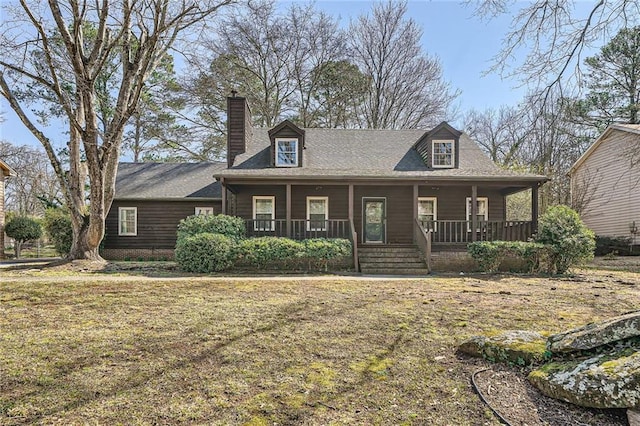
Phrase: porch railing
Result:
[459,231]
[299,229]
[422,238]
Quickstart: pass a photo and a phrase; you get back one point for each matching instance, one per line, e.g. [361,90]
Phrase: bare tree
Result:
[556,37]
[407,87]
[500,133]
[139,34]
[35,185]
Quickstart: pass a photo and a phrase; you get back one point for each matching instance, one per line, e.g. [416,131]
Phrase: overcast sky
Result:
[464,44]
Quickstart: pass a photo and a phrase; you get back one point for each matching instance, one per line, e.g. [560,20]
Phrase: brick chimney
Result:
[239,131]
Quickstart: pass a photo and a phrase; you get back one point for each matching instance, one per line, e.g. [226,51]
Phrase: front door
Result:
[374,220]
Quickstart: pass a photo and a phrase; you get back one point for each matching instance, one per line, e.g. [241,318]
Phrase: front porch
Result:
[441,232]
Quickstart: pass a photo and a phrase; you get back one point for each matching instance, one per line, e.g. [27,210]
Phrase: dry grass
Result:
[104,349]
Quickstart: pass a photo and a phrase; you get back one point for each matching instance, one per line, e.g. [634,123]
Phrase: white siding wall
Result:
[608,187]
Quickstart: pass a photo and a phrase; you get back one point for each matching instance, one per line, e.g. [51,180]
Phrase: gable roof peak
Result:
[282,125]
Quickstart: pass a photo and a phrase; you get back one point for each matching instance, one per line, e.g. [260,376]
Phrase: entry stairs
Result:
[391,260]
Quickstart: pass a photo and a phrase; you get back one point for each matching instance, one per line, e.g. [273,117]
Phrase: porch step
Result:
[392,260]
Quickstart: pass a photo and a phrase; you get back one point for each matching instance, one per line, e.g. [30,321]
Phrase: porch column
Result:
[351,202]
[223,192]
[534,208]
[288,217]
[415,209]
[474,212]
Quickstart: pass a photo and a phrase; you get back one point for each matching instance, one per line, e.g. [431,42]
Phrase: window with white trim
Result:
[264,212]
[428,212]
[204,211]
[128,221]
[286,152]
[317,213]
[442,153]
[482,214]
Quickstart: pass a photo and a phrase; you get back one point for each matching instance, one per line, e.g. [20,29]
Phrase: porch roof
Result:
[367,154]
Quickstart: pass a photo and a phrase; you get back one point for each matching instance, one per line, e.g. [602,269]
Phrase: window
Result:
[204,210]
[127,221]
[264,213]
[317,213]
[483,211]
[287,152]
[442,154]
[428,212]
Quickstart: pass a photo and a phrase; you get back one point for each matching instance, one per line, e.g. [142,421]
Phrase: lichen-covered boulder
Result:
[603,381]
[515,346]
[596,334]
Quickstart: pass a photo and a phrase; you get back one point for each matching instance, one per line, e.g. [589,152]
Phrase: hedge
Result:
[205,252]
[490,254]
[231,226]
[57,223]
[264,251]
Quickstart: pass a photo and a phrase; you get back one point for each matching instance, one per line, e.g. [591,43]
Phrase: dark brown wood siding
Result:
[245,194]
[157,222]
[452,201]
[338,200]
[399,204]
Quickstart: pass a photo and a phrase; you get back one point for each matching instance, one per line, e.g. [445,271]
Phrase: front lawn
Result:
[109,349]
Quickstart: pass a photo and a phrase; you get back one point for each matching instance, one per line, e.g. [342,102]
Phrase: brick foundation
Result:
[137,254]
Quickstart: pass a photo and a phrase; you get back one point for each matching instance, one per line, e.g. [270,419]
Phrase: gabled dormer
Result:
[287,144]
[440,147]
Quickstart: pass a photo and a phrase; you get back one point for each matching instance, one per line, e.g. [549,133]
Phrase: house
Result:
[5,172]
[391,192]
[387,190]
[605,183]
[150,201]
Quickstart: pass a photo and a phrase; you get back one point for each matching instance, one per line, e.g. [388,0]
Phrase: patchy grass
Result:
[88,348]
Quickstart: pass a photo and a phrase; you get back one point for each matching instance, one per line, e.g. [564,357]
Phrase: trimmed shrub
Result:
[205,252]
[571,241]
[22,229]
[490,254]
[57,224]
[265,251]
[230,226]
[615,245]
[319,251]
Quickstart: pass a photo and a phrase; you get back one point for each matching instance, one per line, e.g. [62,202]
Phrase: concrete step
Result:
[387,249]
[404,271]
[392,265]
[395,259]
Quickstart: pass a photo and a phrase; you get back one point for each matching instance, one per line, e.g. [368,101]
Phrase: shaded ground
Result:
[81,347]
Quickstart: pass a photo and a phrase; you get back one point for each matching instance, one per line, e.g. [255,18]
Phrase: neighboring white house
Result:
[605,183]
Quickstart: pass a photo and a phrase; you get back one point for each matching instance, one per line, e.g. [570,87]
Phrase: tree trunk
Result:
[84,246]
[17,246]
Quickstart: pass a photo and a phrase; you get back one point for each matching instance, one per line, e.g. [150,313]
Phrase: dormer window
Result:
[443,154]
[286,152]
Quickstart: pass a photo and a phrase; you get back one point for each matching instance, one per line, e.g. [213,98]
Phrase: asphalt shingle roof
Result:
[335,153]
[168,180]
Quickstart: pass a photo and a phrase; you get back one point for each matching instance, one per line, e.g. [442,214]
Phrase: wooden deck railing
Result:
[423,240]
[354,243]
[459,231]
[299,229]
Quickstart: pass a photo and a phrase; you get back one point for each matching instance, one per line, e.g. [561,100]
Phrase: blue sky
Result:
[464,44]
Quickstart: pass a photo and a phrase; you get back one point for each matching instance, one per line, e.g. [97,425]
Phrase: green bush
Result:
[319,251]
[615,245]
[571,241]
[490,254]
[230,226]
[205,252]
[265,251]
[22,229]
[57,224]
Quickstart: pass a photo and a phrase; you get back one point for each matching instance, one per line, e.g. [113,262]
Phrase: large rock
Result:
[516,347]
[596,334]
[603,381]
